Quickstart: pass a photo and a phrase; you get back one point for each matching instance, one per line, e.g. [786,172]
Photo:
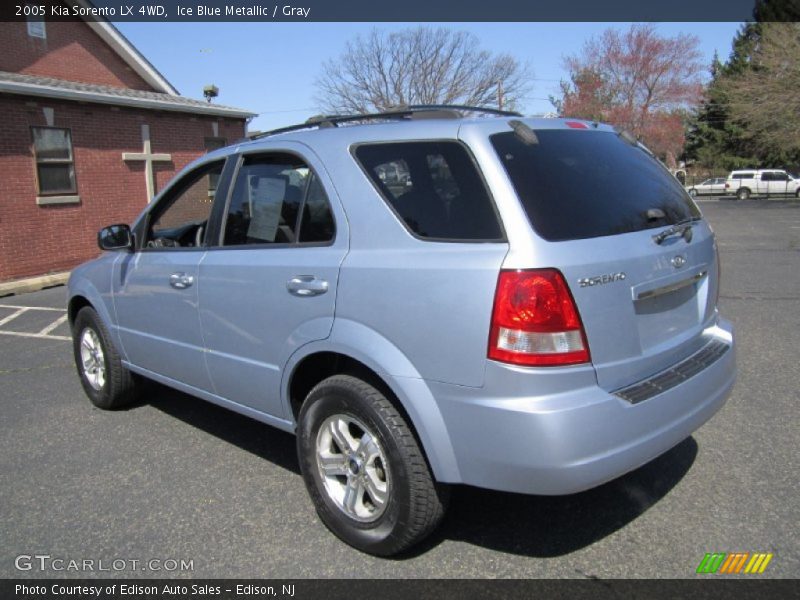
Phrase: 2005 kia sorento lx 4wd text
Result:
[524,305]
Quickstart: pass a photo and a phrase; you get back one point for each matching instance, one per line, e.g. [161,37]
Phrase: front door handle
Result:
[181,281]
[306,285]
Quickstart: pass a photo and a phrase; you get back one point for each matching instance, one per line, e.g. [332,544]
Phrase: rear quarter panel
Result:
[433,300]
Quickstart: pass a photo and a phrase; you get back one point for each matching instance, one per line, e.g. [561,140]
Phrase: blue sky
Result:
[270,68]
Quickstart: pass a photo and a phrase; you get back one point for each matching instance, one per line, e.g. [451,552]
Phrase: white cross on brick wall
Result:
[149,158]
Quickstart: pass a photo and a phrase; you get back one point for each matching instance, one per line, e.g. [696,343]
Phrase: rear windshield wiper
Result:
[682,228]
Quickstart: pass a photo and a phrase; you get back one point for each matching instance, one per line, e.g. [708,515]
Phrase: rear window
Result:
[585,184]
[435,189]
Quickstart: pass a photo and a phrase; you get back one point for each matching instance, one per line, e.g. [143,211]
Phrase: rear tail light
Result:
[535,321]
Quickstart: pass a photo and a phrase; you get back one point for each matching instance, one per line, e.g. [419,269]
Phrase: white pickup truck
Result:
[761,182]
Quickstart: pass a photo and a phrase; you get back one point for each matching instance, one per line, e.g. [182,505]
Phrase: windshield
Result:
[584,184]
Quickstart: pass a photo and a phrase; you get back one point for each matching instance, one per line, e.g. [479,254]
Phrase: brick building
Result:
[89,131]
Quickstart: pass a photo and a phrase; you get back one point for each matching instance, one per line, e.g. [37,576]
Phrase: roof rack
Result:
[414,111]
[462,108]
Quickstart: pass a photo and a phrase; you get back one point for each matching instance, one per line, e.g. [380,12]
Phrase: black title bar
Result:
[707,587]
[387,11]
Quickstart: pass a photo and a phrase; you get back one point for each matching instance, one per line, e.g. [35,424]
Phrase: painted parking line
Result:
[53,325]
[50,308]
[12,316]
[44,333]
[36,335]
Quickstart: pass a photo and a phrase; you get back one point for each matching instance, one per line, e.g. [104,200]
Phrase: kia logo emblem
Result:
[678,261]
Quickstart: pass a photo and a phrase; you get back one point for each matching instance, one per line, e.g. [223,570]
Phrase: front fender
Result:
[92,281]
[367,346]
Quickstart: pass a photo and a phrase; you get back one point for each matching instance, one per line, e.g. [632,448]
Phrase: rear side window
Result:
[585,184]
[435,189]
[743,176]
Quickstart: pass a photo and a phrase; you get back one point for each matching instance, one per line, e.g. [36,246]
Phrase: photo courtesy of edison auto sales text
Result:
[168,589]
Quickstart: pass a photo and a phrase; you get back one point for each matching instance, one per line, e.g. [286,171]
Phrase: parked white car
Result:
[710,187]
[761,182]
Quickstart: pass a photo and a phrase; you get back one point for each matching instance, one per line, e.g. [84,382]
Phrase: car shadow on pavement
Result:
[266,442]
[536,526]
[549,526]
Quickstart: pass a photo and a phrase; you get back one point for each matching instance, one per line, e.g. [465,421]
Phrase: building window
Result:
[55,168]
[36,27]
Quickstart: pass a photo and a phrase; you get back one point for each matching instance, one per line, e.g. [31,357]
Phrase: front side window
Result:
[181,217]
[434,187]
[277,199]
[55,167]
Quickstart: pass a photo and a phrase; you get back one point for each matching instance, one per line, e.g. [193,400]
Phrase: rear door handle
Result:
[306,285]
[181,281]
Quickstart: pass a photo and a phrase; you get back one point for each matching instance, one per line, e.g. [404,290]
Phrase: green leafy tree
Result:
[712,139]
[763,98]
[747,117]
[777,11]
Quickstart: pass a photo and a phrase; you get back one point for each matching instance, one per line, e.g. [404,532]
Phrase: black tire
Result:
[693,193]
[118,387]
[743,194]
[797,193]
[415,504]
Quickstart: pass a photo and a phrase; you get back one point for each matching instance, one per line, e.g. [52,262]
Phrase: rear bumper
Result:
[571,439]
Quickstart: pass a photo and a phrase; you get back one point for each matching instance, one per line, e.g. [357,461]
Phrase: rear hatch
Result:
[599,202]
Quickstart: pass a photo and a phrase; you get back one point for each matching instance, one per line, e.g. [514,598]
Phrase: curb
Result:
[33,284]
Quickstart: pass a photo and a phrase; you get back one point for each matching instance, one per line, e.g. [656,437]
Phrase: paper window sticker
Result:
[266,200]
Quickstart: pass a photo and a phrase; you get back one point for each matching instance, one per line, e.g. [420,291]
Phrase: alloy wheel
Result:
[93,359]
[353,468]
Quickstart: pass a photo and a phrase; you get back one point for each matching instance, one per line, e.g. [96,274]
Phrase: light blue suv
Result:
[426,297]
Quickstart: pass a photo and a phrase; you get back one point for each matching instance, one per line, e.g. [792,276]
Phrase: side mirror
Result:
[115,237]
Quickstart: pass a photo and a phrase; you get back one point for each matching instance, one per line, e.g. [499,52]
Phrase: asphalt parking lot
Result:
[177,478]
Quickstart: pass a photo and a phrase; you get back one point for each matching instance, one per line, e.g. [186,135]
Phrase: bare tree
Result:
[636,80]
[418,66]
[764,99]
